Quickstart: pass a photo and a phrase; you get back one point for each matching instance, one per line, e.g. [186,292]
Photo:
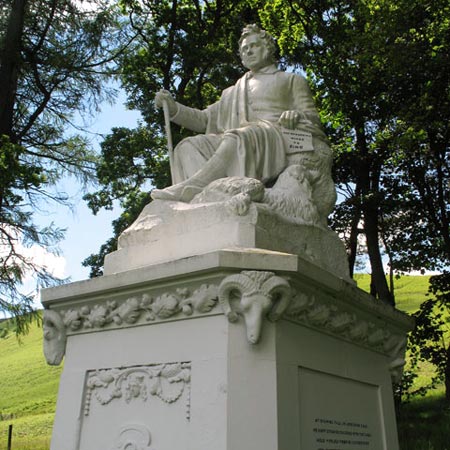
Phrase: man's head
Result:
[256,47]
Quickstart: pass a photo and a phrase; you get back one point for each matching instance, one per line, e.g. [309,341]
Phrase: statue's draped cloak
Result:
[249,118]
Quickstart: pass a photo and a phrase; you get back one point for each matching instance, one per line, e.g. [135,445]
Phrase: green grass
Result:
[29,387]
[28,391]
[410,291]
[31,432]
[424,424]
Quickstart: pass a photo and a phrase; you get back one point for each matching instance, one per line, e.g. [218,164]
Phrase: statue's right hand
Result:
[164,96]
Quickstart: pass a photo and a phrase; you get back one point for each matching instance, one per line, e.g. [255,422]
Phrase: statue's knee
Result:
[186,144]
[228,144]
[230,138]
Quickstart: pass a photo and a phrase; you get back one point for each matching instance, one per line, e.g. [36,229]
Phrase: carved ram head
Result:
[254,294]
[54,337]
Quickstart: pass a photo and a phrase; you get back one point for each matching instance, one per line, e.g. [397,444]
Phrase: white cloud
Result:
[54,264]
[34,255]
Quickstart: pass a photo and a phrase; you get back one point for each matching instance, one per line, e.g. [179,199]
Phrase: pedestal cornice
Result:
[193,287]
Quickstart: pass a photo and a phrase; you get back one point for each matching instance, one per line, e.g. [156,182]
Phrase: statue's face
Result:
[254,53]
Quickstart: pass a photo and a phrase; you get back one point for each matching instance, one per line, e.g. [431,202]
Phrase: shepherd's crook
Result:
[169,137]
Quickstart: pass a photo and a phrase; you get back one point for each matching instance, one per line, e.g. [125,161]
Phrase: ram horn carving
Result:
[54,337]
[254,294]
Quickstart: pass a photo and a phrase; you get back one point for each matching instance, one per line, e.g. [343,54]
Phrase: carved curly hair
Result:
[268,40]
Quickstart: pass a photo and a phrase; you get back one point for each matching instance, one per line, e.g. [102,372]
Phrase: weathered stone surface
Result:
[171,230]
[182,354]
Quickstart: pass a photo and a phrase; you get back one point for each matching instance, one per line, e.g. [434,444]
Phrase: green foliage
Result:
[338,44]
[54,58]
[16,176]
[420,73]
[381,73]
[430,339]
[187,47]
[17,226]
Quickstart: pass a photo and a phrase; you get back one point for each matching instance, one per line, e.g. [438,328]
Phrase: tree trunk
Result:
[9,67]
[447,378]
[353,240]
[379,286]
[440,156]
[368,176]
[391,280]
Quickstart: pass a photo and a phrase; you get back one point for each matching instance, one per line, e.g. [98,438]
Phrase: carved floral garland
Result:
[165,381]
[307,310]
[135,308]
[273,294]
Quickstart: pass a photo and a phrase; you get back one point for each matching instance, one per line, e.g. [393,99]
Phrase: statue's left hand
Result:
[290,119]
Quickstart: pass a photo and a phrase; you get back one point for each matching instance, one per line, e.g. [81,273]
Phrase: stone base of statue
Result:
[166,231]
[227,349]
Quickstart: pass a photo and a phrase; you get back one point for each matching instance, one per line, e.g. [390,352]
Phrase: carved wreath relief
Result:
[167,382]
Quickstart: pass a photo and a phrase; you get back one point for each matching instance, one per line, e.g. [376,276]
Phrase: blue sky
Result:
[85,233]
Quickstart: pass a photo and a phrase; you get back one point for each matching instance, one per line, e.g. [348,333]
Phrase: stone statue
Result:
[258,174]
[266,128]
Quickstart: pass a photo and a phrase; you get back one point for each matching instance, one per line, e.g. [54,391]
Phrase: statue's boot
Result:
[214,169]
[181,192]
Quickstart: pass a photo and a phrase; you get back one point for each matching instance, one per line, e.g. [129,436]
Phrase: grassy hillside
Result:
[410,291]
[29,386]
[28,390]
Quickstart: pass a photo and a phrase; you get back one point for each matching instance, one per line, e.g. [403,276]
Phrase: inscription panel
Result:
[339,413]
[297,141]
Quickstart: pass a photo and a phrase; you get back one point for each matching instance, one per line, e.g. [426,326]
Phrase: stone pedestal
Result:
[167,231]
[229,350]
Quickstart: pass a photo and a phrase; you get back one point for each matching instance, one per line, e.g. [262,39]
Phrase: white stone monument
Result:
[226,319]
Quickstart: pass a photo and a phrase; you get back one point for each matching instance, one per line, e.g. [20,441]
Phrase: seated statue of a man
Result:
[244,133]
